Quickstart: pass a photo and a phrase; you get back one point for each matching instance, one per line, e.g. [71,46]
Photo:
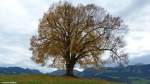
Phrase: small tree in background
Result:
[69,35]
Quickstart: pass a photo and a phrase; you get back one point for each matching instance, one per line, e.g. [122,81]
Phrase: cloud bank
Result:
[19,20]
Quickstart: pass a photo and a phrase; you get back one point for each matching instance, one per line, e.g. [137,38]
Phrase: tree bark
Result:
[69,69]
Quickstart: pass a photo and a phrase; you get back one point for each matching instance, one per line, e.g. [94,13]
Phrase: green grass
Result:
[141,81]
[45,79]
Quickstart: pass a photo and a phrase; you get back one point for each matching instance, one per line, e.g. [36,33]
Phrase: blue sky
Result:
[19,21]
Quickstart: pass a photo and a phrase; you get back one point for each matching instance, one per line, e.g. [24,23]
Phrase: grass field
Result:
[45,79]
[141,81]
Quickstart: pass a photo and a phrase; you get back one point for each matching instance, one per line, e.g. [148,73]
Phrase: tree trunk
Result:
[69,69]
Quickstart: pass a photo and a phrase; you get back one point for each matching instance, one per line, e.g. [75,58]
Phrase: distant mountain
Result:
[62,72]
[132,70]
[57,73]
[89,73]
[123,74]
[17,70]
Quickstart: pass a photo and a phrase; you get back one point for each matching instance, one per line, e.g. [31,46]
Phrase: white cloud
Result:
[13,17]
[18,21]
[138,37]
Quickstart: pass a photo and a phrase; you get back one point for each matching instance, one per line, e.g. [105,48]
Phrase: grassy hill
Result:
[45,79]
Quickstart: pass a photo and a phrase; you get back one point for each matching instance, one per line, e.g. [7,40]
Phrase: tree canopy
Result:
[82,34]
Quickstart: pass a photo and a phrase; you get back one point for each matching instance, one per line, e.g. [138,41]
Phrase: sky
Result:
[19,20]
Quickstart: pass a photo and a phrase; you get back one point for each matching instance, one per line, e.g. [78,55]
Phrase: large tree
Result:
[82,35]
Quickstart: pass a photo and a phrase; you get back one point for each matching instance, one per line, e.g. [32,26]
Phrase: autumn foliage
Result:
[82,35]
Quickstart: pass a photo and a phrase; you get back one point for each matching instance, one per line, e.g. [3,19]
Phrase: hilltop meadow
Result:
[45,79]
